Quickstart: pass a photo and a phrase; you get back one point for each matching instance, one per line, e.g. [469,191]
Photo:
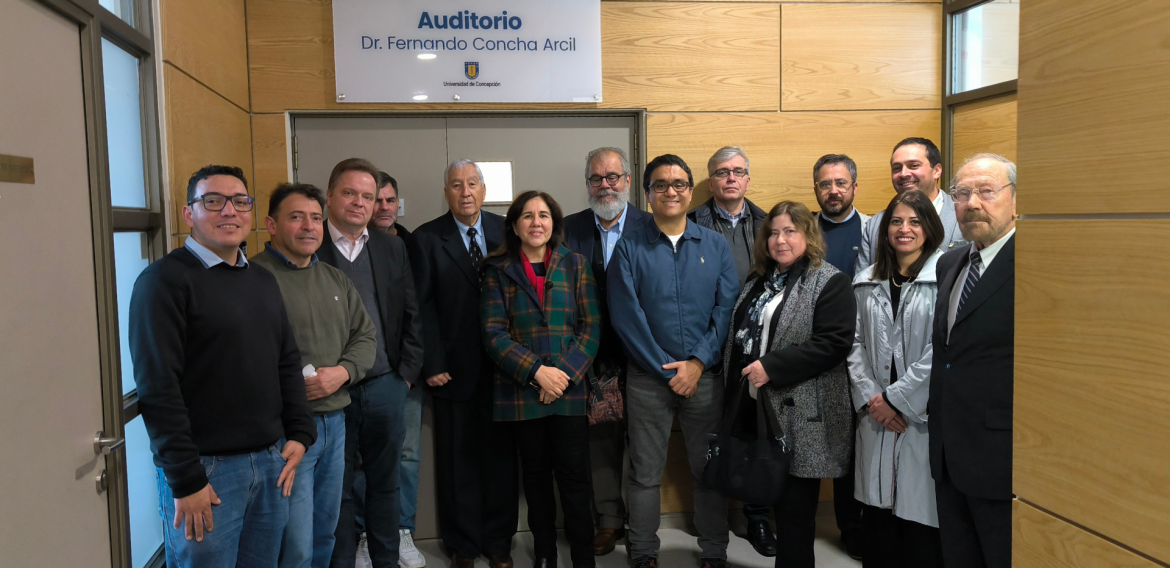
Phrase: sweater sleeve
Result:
[834,320]
[361,348]
[297,416]
[157,324]
[410,362]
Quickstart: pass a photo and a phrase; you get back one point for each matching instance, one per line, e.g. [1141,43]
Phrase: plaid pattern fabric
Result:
[519,334]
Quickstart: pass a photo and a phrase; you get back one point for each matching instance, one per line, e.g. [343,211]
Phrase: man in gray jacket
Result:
[916,164]
[728,211]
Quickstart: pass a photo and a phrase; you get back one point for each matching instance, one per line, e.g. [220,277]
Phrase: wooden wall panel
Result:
[202,128]
[207,40]
[1091,394]
[861,57]
[1093,89]
[984,126]
[783,148]
[270,152]
[691,56]
[1040,540]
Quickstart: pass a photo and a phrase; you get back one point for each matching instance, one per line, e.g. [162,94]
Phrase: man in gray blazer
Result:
[915,164]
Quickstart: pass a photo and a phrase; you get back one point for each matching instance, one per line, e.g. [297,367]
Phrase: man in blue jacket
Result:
[672,285]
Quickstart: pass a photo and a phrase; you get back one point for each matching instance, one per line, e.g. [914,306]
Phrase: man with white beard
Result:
[594,233]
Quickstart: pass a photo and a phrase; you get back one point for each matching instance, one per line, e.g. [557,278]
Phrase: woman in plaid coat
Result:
[541,327]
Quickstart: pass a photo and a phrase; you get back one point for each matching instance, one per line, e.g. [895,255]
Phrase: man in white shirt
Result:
[916,164]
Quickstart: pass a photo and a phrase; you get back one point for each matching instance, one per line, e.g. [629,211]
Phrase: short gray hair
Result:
[459,164]
[726,153]
[608,150]
[1008,165]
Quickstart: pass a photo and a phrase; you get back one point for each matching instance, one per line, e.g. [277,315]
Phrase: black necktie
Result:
[972,278]
[476,252]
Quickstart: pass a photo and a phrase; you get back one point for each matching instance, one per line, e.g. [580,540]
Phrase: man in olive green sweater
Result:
[336,337]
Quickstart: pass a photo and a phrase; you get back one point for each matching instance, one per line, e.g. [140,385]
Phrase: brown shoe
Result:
[606,540]
[500,560]
[458,561]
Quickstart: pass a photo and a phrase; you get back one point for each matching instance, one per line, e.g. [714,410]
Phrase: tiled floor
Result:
[678,549]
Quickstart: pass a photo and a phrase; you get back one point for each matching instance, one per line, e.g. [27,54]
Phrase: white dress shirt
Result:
[986,256]
[349,249]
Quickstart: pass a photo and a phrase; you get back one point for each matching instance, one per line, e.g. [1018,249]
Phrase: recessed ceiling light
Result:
[420,97]
[425,56]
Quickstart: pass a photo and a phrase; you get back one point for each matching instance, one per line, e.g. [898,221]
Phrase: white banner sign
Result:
[470,51]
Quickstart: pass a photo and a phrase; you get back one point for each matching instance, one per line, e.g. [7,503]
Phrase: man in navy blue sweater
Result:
[672,285]
[219,385]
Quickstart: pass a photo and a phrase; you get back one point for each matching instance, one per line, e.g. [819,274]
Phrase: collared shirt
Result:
[279,256]
[209,258]
[479,237]
[671,305]
[727,216]
[939,201]
[986,255]
[349,249]
[607,243]
[846,220]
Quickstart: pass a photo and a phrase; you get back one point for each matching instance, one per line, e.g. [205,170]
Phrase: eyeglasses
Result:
[841,183]
[216,202]
[595,180]
[986,194]
[678,185]
[722,173]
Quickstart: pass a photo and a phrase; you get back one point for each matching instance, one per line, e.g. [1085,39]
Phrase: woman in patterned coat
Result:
[541,329]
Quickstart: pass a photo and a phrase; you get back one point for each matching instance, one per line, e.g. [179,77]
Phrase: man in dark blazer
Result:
[971,373]
[594,233]
[379,267]
[475,468]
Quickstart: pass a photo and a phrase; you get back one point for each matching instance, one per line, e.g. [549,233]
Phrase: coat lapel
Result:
[946,283]
[993,279]
[453,245]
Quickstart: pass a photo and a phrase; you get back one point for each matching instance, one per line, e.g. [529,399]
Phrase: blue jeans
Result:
[249,522]
[411,457]
[374,430]
[316,497]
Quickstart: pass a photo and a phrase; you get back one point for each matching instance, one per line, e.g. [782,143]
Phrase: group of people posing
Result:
[283,393]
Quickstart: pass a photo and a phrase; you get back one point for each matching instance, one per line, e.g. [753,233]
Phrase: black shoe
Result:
[712,563]
[761,537]
[646,562]
[851,541]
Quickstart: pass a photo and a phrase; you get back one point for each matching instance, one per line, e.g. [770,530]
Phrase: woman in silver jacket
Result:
[889,367]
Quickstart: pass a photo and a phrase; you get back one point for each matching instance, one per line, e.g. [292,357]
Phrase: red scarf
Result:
[537,281]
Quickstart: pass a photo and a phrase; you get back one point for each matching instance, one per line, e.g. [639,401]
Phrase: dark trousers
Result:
[846,508]
[975,532]
[501,487]
[796,523]
[374,429]
[891,542]
[558,446]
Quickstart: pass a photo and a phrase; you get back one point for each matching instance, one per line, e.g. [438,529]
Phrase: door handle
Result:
[106,446]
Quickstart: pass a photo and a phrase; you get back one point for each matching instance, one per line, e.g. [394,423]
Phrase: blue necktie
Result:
[972,278]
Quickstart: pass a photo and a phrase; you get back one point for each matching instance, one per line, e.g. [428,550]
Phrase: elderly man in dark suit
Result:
[378,265]
[593,233]
[471,452]
[971,374]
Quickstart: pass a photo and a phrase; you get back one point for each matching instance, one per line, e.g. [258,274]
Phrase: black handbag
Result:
[750,471]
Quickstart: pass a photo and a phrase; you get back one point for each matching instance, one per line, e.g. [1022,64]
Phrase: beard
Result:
[978,226]
[832,210]
[609,211]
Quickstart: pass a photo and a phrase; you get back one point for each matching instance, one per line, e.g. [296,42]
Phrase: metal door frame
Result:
[637,156]
[95,23]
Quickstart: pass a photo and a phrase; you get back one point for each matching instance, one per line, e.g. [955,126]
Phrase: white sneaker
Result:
[363,554]
[408,555]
